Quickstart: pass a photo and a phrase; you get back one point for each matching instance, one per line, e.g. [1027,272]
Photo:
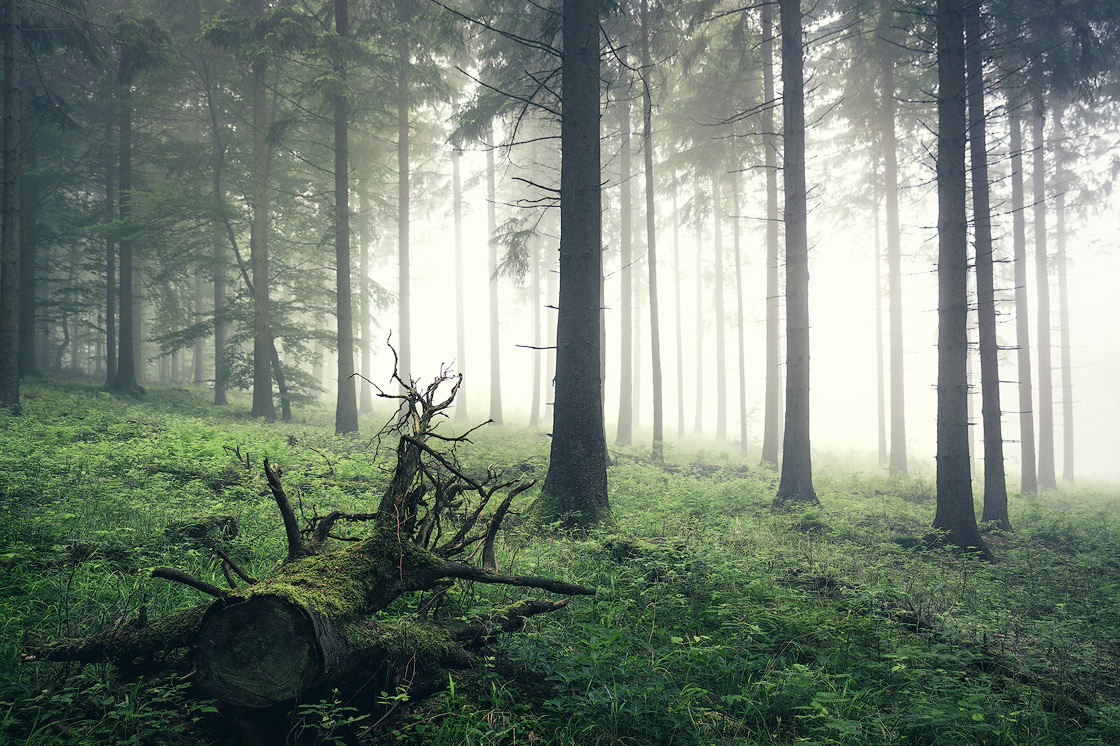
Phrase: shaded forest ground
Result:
[717,620]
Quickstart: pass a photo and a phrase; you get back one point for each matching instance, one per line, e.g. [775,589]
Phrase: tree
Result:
[460,294]
[492,285]
[404,98]
[955,513]
[796,485]
[575,490]
[263,405]
[1046,474]
[1028,483]
[10,244]
[651,239]
[346,410]
[995,484]
[771,428]
[626,257]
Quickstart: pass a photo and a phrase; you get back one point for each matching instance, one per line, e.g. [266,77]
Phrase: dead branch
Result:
[186,578]
[296,549]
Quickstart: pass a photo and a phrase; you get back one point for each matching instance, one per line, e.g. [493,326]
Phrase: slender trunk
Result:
[796,483]
[880,382]
[739,313]
[552,288]
[404,354]
[138,323]
[677,312]
[460,292]
[1063,295]
[772,417]
[110,265]
[220,368]
[10,243]
[1046,474]
[898,461]
[955,513]
[29,344]
[535,300]
[346,410]
[626,299]
[721,331]
[125,380]
[365,398]
[258,248]
[1028,480]
[492,267]
[700,385]
[658,450]
[995,484]
[198,374]
[576,485]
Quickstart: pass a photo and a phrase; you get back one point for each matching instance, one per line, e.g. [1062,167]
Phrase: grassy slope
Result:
[717,621]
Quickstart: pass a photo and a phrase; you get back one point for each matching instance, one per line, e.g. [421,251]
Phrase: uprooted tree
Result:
[312,625]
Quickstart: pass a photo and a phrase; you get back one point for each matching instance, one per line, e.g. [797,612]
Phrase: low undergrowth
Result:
[718,621]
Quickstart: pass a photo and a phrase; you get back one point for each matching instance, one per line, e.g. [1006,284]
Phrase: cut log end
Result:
[259,652]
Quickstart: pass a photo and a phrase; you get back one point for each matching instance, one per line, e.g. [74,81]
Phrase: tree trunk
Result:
[880,383]
[677,312]
[626,297]
[575,491]
[955,513]
[220,365]
[365,398]
[697,199]
[404,343]
[771,429]
[10,243]
[796,483]
[258,247]
[346,409]
[536,300]
[1028,480]
[898,460]
[126,379]
[460,292]
[110,263]
[1063,293]
[658,450]
[492,267]
[1046,474]
[995,484]
[739,312]
[720,323]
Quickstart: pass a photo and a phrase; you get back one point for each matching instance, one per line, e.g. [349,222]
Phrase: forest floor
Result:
[717,620]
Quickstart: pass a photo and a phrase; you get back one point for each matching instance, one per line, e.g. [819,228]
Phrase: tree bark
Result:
[263,405]
[365,397]
[772,416]
[1046,475]
[346,409]
[995,484]
[796,485]
[10,243]
[126,380]
[404,343]
[110,263]
[1029,476]
[880,382]
[697,200]
[898,460]
[492,267]
[626,297]
[677,312]
[955,512]
[460,292]
[575,489]
[658,450]
[721,321]
[1063,293]
[536,300]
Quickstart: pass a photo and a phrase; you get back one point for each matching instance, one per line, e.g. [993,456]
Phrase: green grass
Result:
[718,621]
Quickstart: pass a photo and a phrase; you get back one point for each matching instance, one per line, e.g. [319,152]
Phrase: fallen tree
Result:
[313,625]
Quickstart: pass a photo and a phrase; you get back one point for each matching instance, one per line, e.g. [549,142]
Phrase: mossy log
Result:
[309,624]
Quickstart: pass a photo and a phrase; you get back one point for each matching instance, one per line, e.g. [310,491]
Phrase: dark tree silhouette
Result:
[9,245]
[796,485]
[575,490]
[955,513]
